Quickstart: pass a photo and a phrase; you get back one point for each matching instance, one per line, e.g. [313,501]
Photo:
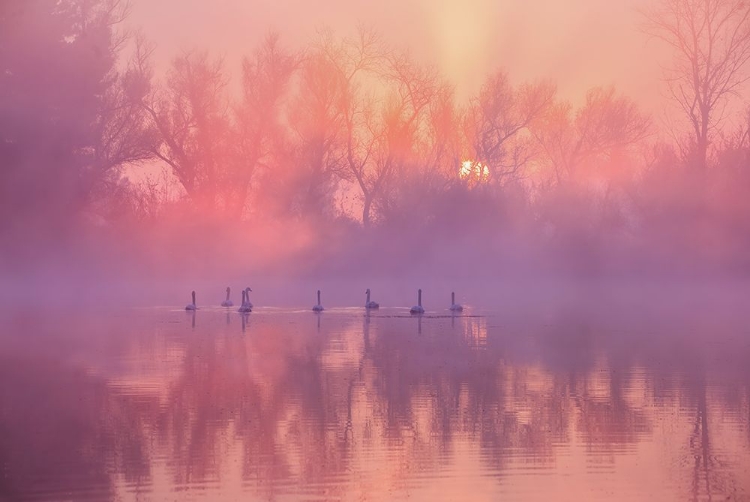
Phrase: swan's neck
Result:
[419,297]
[453,298]
[318,297]
[368,296]
[193,295]
[227,294]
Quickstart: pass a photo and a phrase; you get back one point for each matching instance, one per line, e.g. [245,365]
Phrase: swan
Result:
[227,302]
[247,293]
[369,304]
[418,309]
[455,307]
[245,307]
[191,306]
[318,307]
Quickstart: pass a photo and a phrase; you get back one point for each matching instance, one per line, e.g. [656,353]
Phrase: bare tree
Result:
[123,136]
[497,124]
[711,43]
[442,147]
[316,161]
[360,116]
[265,82]
[606,122]
[191,116]
[403,124]
[353,60]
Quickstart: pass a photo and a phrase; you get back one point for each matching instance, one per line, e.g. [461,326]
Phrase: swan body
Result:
[418,309]
[227,302]
[370,304]
[318,307]
[191,306]
[455,307]
[245,307]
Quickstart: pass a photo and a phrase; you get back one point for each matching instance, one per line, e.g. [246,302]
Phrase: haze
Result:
[579,44]
[500,148]
[548,201]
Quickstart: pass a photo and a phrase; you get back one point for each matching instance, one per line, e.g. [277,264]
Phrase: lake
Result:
[286,405]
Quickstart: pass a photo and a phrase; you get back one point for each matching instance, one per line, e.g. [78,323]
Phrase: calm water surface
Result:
[161,404]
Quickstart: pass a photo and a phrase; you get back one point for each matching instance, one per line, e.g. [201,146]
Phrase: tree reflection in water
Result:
[357,404]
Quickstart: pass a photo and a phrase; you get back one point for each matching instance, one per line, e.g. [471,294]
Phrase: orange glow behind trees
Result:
[353,133]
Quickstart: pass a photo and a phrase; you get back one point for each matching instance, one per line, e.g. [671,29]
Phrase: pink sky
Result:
[578,43]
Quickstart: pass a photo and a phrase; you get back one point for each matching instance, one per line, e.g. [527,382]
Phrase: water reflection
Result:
[127,407]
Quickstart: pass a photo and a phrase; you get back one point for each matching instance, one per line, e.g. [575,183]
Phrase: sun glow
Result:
[474,171]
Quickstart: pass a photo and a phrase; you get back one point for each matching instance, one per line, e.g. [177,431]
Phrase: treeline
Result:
[353,144]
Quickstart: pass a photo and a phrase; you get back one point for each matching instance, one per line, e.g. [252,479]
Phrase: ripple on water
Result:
[287,405]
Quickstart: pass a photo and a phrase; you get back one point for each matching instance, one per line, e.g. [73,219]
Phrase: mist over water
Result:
[590,212]
[138,169]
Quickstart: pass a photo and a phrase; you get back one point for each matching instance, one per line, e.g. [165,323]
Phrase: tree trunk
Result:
[366,211]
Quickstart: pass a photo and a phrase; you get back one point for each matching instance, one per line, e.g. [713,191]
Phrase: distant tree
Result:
[353,61]
[259,129]
[443,145]
[497,125]
[711,44]
[581,208]
[65,125]
[402,129]
[191,115]
[316,161]
[606,122]
[123,135]
[361,115]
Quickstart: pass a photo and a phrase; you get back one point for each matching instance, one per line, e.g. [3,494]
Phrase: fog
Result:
[149,149]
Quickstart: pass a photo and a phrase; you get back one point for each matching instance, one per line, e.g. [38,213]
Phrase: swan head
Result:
[248,289]
[228,289]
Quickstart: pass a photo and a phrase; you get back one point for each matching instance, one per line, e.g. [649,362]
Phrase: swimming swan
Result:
[245,307]
[369,304]
[227,302]
[417,309]
[191,306]
[318,307]
[455,307]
